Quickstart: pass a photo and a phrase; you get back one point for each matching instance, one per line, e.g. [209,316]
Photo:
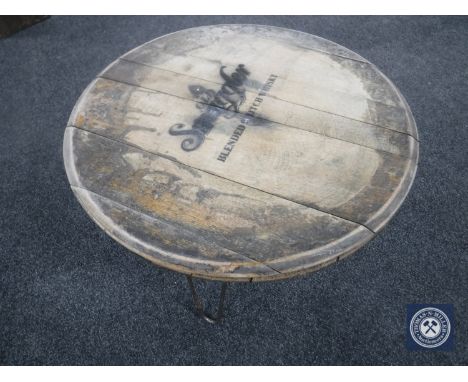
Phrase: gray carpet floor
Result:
[69,294]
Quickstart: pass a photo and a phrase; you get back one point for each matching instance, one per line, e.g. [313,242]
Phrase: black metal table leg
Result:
[199,307]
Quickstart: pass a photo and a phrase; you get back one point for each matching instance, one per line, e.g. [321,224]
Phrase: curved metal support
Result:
[200,310]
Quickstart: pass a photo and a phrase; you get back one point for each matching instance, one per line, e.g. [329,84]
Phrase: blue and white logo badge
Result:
[430,327]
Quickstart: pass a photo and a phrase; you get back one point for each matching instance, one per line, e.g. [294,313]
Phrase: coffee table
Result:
[241,153]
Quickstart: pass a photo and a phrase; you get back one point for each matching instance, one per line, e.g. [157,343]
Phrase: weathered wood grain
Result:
[348,180]
[168,245]
[233,35]
[192,212]
[346,79]
[241,152]
[282,96]
[323,78]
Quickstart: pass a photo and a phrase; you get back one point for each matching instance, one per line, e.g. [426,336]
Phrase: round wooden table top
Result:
[241,152]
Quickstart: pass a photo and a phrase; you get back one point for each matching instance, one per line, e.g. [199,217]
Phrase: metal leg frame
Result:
[199,307]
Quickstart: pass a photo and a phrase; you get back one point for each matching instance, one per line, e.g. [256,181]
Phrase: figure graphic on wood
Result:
[232,94]
[225,102]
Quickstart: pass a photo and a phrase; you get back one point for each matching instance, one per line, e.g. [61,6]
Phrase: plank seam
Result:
[269,95]
[354,96]
[267,263]
[179,228]
[216,175]
[268,120]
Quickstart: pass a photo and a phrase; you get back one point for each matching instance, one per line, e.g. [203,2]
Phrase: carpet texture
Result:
[69,294]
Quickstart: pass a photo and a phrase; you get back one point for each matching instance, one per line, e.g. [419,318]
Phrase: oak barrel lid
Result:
[241,152]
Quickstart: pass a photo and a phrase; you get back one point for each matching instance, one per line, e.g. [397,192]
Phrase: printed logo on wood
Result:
[225,102]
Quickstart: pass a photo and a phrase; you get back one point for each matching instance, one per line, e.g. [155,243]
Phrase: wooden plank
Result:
[359,109]
[348,180]
[325,76]
[271,109]
[232,36]
[193,213]
[330,125]
[169,246]
[306,62]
